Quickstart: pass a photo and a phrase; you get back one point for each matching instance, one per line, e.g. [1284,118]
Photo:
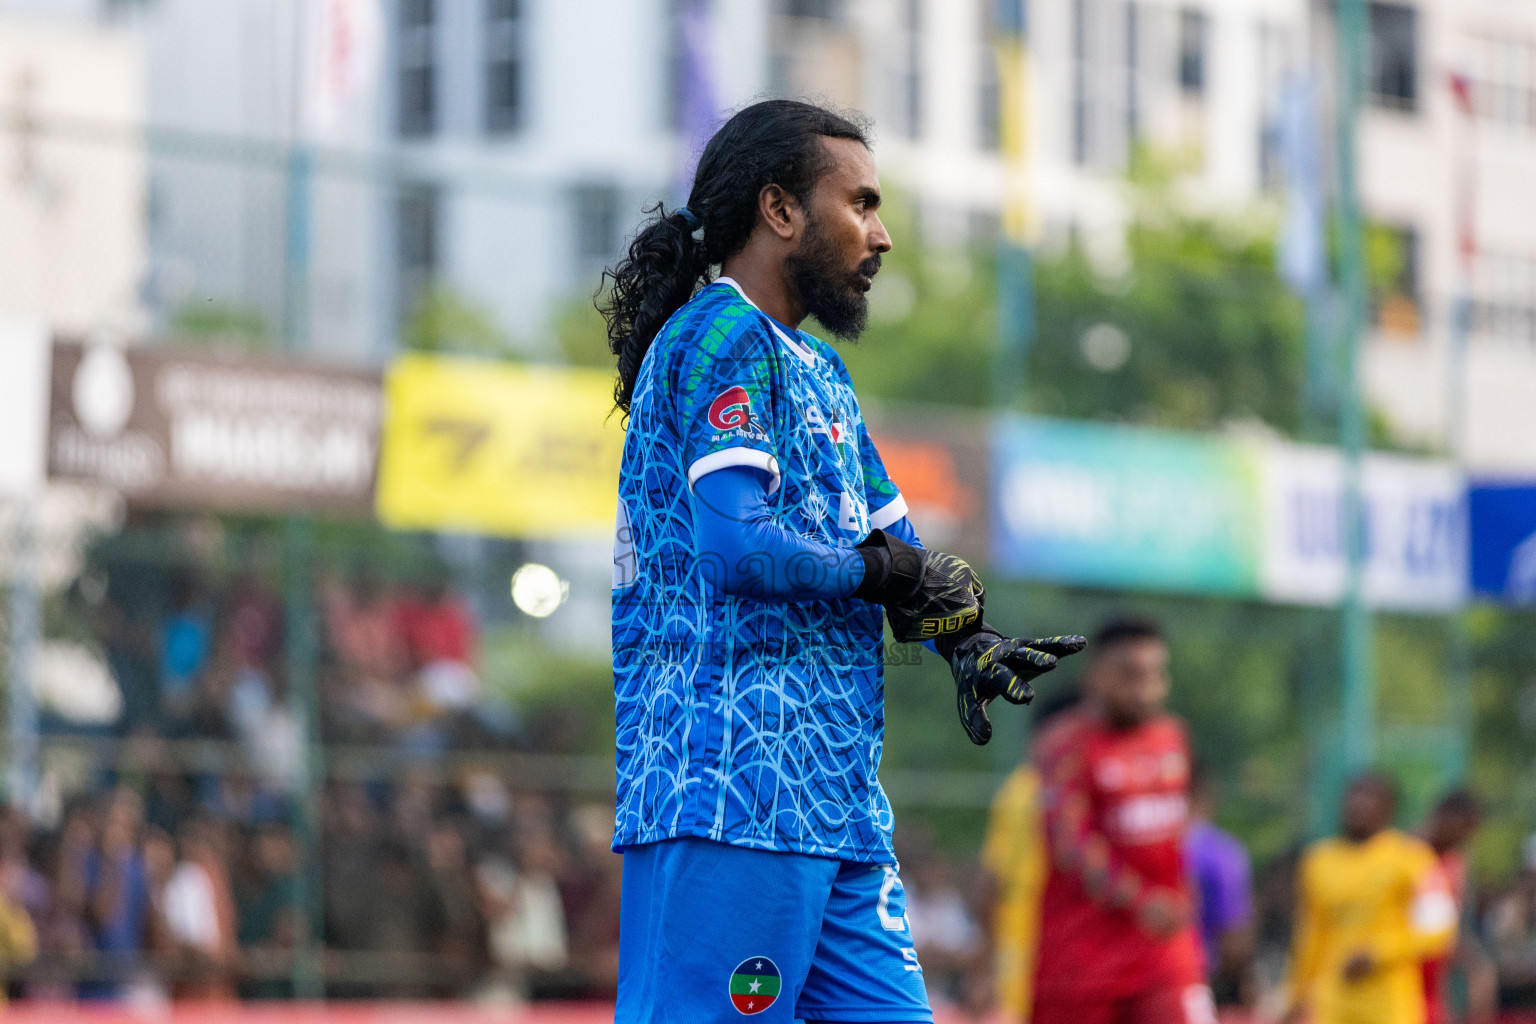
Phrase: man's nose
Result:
[880,241]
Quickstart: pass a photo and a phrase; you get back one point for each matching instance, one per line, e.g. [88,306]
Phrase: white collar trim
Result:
[805,354]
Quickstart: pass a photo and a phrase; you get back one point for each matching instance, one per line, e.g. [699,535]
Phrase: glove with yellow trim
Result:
[926,594]
[987,666]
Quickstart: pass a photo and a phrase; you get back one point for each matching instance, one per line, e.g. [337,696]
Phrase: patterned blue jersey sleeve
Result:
[886,505]
[724,398]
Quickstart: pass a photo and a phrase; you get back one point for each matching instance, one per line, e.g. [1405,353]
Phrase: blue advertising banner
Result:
[1117,506]
[1504,541]
[1103,505]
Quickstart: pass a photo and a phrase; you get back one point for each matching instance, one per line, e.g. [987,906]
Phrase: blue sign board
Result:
[1504,541]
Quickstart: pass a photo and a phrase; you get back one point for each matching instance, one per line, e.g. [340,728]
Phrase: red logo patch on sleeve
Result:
[732,410]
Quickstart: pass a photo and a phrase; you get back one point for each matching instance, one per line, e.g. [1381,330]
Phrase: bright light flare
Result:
[538,590]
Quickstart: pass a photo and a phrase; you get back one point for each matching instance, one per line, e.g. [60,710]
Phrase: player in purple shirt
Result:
[1222,875]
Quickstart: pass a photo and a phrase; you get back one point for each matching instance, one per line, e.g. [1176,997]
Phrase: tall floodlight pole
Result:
[1459,688]
[300,634]
[1358,713]
[1015,265]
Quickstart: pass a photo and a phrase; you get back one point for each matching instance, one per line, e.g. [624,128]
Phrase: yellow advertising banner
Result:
[499,448]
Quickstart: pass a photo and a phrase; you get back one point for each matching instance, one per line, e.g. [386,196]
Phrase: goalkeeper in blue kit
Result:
[760,549]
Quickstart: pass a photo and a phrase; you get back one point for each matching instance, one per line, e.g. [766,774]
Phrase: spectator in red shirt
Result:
[439,635]
[436,625]
[369,691]
[1117,939]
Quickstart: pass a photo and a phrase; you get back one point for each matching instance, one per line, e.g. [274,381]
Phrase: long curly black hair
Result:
[776,142]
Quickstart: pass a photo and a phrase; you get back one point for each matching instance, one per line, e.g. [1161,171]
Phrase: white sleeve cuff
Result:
[737,457]
[890,512]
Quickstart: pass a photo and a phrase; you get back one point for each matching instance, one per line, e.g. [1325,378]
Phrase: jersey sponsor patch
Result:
[755,985]
[731,410]
[1149,817]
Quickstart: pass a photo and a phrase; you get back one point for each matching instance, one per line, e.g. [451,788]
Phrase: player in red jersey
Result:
[1448,830]
[1117,939]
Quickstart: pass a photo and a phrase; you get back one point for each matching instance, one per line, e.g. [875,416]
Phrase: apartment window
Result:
[1395,296]
[677,65]
[1394,55]
[504,93]
[416,245]
[989,111]
[417,81]
[824,10]
[1504,298]
[1106,98]
[1132,71]
[911,85]
[597,221]
[1080,102]
[1504,80]
[1193,26]
[1284,92]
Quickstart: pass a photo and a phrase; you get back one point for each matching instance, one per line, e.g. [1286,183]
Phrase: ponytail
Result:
[777,142]
[653,280]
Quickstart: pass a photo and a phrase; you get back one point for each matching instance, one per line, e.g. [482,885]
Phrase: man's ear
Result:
[780,211]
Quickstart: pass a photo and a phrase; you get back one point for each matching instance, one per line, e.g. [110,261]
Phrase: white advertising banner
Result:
[24,347]
[1415,530]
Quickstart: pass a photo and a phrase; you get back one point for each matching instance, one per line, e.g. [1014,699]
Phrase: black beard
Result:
[826,290]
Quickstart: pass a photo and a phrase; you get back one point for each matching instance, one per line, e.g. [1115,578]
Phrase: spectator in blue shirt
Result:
[117,887]
[186,635]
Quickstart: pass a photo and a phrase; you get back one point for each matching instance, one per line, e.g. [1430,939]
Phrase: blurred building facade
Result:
[503,148]
[1445,176]
[71,217]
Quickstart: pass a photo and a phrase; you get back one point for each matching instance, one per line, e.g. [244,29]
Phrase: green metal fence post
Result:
[300,634]
[1356,627]
[22,641]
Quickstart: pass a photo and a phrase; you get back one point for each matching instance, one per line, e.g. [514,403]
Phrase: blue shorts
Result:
[711,932]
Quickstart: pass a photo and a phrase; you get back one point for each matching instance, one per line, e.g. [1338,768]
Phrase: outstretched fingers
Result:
[1060,646]
[1021,656]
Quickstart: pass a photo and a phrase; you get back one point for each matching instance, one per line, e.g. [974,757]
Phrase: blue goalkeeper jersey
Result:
[748,722]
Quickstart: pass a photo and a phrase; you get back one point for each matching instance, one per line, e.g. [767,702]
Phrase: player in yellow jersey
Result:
[1372,905]
[1014,859]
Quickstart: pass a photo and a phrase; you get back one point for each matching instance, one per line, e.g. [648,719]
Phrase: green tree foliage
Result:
[1503,765]
[933,322]
[215,322]
[447,321]
[582,334]
[1214,336]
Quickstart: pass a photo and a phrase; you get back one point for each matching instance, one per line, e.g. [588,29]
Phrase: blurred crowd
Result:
[152,890]
[398,664]
[162,878]
[174,867]
[167,885]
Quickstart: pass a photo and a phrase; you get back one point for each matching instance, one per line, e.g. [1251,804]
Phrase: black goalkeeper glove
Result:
[987,666]
[926,594]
